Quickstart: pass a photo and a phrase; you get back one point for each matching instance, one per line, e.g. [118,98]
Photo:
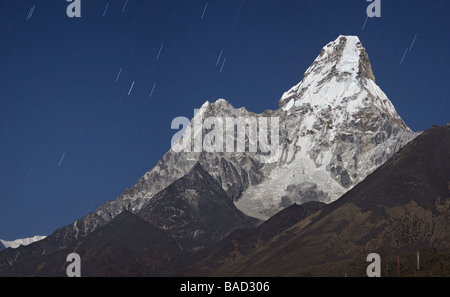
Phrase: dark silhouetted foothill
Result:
[126,246]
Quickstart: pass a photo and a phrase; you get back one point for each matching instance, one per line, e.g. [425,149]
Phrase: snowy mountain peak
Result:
[341,69]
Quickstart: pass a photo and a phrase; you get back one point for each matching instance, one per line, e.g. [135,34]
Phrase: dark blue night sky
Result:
[86,103]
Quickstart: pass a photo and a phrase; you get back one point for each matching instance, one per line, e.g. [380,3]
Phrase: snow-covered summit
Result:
[340,79]
[341,82]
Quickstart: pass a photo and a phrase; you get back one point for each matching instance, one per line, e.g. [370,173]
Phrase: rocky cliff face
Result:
[195,210]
